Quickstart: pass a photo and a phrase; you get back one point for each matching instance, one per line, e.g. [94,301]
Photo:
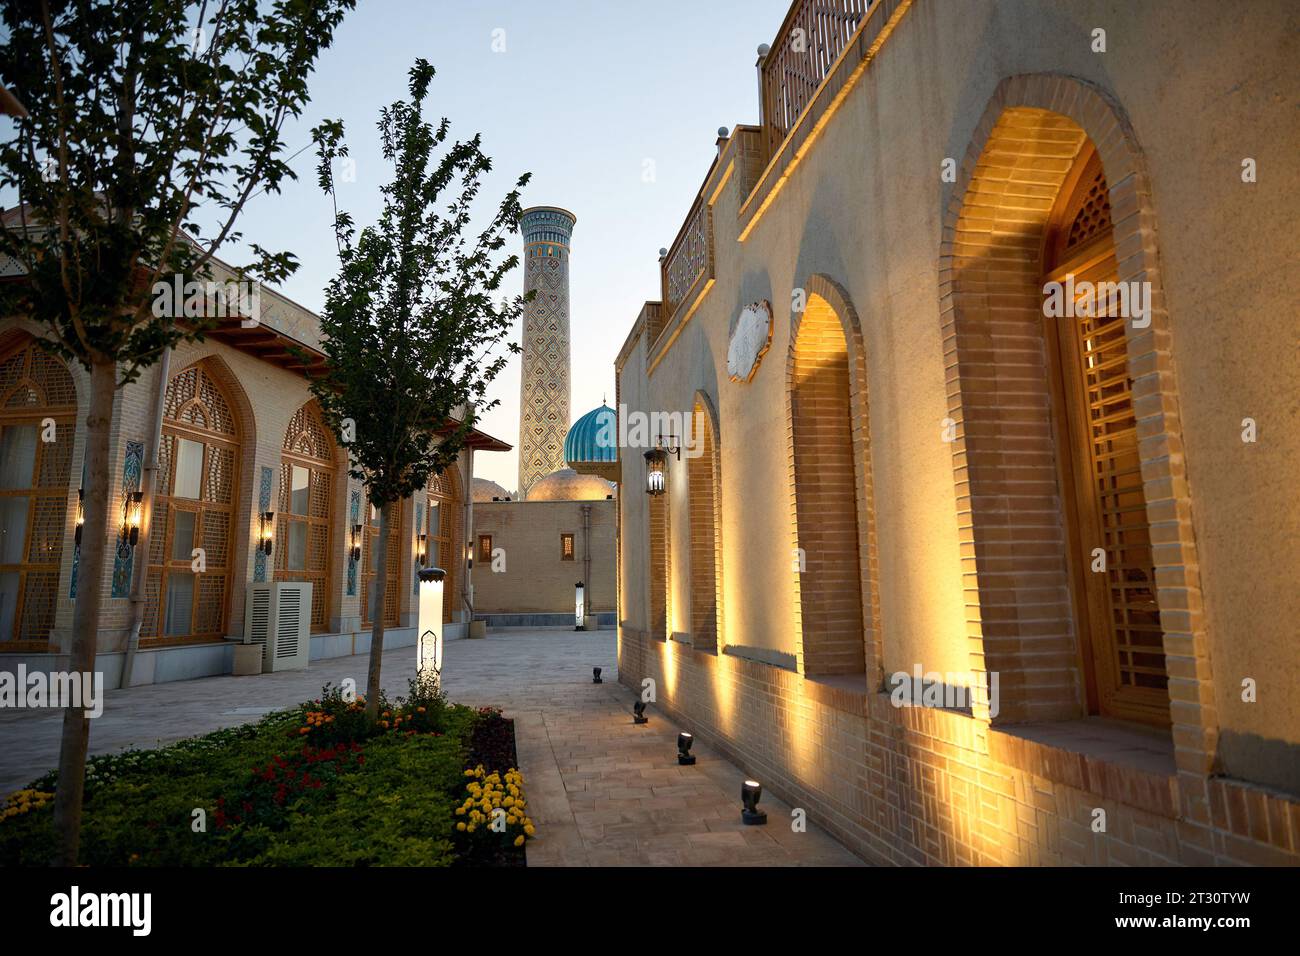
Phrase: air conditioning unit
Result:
[278,617]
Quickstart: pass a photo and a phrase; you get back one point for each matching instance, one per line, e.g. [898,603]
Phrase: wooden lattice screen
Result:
[34,492]
[303,519]
[193,508]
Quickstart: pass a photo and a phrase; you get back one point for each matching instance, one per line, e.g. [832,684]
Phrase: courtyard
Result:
[604,791]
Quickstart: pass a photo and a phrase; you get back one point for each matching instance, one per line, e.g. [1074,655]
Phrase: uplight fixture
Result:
[684,755]
[595,676]
[638,713]
[750,815]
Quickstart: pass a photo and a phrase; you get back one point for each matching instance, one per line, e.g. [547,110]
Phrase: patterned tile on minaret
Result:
[544,380]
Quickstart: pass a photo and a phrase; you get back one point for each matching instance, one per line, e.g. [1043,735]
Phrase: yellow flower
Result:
[460,811]
[519,841]
[460,827]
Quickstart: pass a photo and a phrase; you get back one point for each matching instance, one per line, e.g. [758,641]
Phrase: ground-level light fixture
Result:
[356,542]
[684,755]
[750,815]
[265,535]
[428,648]
[131,519]
[595,676]
[638,713]
[579,606]
[81,516]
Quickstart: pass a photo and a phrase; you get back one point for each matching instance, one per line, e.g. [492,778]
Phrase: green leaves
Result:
[414,315]
[146,121]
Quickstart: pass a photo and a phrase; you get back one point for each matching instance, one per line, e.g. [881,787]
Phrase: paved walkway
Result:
[603,791]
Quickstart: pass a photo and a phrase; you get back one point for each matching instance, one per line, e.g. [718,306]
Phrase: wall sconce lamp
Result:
[131,519]
[638,713]
[579,606]
[267,524]
[656,465]
[356,542]
[422,550]
[684,756]
[81,515]
[750,815]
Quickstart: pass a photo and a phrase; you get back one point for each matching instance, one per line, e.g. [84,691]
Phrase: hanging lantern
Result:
[656,472]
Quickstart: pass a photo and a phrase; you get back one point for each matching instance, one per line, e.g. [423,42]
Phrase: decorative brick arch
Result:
[1019,154]
[704,477]
[826,338]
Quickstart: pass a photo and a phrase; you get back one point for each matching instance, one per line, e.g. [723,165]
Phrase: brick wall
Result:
[922,786]
[535,579]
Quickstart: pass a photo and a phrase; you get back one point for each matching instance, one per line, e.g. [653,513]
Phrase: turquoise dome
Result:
[593,437]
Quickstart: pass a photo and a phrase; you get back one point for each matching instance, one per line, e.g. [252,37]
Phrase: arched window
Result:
[1101,474]
[444,531]
[304,516]
[34,386]
[826,495]
[188,591]
[702,477]
[394,557]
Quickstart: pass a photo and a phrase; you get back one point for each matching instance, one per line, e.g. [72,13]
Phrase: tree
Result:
[146,120]
[412,317]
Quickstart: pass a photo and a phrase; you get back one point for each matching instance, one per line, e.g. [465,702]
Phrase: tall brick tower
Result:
[544,382]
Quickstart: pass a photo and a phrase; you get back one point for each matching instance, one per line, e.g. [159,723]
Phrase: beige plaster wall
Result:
[1203,85]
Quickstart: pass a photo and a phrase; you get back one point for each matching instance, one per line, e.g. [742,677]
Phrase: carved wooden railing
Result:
[811,38]
[690,258]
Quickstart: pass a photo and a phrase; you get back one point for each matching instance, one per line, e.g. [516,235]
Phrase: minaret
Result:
[544,381]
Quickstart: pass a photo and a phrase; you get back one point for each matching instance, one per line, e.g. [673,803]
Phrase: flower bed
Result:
[311,786]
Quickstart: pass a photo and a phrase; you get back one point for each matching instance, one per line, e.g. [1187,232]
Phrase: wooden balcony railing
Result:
[806,47]
[690,258]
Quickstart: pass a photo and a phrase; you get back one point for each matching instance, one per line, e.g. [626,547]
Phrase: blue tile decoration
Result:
[352,562]
[124,559]
[263,504]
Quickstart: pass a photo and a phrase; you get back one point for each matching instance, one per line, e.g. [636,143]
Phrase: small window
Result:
[300,490]
[189,469]
[485,548]
[566,547]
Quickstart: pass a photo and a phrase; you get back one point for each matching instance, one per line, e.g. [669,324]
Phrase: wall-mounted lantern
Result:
[428,660]
[656,466]
[265,531]
[356,542]
[422,549]
[81,515]
[579,606]
[131,518]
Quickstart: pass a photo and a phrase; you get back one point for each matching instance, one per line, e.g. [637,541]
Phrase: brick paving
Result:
[603,791]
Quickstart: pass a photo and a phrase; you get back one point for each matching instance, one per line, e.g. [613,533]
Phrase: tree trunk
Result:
[86,613]
[378,594]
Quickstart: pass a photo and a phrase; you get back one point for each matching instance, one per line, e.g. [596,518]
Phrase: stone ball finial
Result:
[723,132]
[662,252]
[764,49]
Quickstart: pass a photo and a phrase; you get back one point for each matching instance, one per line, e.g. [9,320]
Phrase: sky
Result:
[582,96]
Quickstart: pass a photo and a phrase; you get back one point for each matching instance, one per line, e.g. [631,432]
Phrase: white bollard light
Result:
[429,646]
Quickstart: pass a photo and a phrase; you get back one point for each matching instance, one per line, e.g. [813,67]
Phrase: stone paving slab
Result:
[603,791]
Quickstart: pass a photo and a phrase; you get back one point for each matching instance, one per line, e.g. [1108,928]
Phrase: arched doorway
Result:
[826,493]
[705,532]
[34,474]
[305,516]
[445,536]
[394,556]
[1116,607]
[1054,490]
[191,538]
